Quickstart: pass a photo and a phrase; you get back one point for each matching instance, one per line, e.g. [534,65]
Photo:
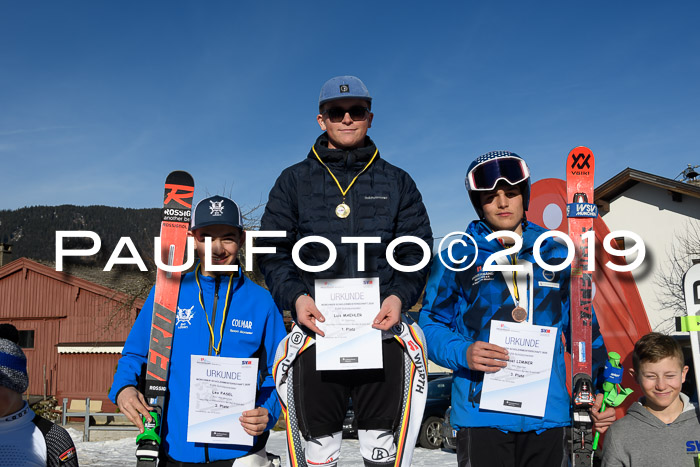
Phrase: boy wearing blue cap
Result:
[345,189]
[461,302]
[218,314]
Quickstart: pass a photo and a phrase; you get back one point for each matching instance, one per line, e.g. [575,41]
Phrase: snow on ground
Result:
[120,452]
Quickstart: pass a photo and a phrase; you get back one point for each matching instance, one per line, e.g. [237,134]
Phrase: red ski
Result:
[580,167]
[177,209]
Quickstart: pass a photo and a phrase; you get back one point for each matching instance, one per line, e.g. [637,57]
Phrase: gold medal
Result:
[519,314]
[342,210]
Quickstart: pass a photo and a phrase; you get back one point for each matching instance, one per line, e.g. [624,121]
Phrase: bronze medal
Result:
[519,314]
[342,210]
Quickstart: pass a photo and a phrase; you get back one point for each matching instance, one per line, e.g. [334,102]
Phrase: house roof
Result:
[630,177]
[25,264]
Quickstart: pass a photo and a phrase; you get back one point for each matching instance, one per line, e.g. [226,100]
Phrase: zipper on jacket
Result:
[351,259]
[217,283]
[472,389]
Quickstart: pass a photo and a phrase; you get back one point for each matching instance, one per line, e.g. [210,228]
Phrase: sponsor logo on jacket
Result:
[241,326]
[184,317]
[482,276]
[549,277]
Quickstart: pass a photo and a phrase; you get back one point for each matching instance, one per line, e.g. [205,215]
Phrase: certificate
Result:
[521,387]
[221,389]
[349,307]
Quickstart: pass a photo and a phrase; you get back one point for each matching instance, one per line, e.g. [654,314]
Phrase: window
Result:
[26,339]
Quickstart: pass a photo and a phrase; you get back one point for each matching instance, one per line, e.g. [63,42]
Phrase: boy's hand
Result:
[602,421]
[132,404]
[254,421]
[389,314]
[482,356]
[308,314]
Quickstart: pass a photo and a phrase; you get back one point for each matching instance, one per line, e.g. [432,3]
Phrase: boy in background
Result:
[26,439]
[663,428]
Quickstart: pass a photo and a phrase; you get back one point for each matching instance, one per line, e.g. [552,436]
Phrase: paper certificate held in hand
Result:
[521,387]
[349,307]
[221,389]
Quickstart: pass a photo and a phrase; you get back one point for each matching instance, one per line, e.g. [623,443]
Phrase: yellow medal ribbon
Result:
[344,192]
[514,261]
[227,303]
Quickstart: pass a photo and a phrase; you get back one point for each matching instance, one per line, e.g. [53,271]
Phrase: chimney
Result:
[5,253]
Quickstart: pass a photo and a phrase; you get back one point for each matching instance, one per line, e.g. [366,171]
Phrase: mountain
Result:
[32,231]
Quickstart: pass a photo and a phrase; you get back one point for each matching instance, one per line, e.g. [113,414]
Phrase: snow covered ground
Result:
[120,452]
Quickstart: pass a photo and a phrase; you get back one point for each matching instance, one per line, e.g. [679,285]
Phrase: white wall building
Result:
[659,210]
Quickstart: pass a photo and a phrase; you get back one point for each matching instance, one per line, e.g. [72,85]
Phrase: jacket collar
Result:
[208,281]
[354,159]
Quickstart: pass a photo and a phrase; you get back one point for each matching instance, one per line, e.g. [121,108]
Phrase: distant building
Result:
[661,211]
[72,330]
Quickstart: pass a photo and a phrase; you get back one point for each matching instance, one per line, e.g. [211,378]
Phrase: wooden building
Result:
[72,329]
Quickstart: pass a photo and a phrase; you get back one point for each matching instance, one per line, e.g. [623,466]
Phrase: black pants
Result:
[489,447]
[321,397]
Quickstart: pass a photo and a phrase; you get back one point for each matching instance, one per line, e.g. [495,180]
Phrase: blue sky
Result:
[100,100]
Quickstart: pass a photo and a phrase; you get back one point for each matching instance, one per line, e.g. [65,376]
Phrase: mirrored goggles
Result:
[486,175]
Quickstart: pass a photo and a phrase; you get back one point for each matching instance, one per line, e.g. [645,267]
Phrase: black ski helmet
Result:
[487,170]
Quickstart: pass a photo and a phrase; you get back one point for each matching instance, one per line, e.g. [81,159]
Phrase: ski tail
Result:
[296,342]
[415,390]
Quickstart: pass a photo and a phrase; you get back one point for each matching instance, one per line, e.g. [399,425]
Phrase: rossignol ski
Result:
[177,209]
[580,210]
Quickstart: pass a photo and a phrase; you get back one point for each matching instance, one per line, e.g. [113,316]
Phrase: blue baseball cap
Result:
[343,87]
[216,210]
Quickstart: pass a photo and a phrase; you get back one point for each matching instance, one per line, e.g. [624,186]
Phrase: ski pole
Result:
[615,394]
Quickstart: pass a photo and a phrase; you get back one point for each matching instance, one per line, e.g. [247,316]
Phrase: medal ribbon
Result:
[517,284]
[344,192]
[516,298]
[227,305]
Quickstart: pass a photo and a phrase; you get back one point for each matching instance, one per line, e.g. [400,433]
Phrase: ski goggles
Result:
[487,174]
[357,113]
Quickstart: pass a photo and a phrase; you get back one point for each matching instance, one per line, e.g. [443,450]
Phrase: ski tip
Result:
[179,177]
[578,149]
[580,165]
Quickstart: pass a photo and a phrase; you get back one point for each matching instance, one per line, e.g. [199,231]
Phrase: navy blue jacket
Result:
[384,202]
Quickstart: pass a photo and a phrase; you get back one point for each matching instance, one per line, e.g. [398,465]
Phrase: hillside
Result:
[32,230]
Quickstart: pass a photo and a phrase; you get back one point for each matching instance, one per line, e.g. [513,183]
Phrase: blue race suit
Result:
[459,306]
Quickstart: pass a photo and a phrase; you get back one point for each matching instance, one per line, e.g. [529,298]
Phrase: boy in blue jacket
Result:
[219,314]
[458,308]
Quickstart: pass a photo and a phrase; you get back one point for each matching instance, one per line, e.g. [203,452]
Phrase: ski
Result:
[580,210]
[691,323]
[175,222]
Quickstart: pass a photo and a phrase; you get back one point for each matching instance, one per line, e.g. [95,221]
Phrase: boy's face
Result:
[503,207]
[661,381]
[347,133]
[225,242]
